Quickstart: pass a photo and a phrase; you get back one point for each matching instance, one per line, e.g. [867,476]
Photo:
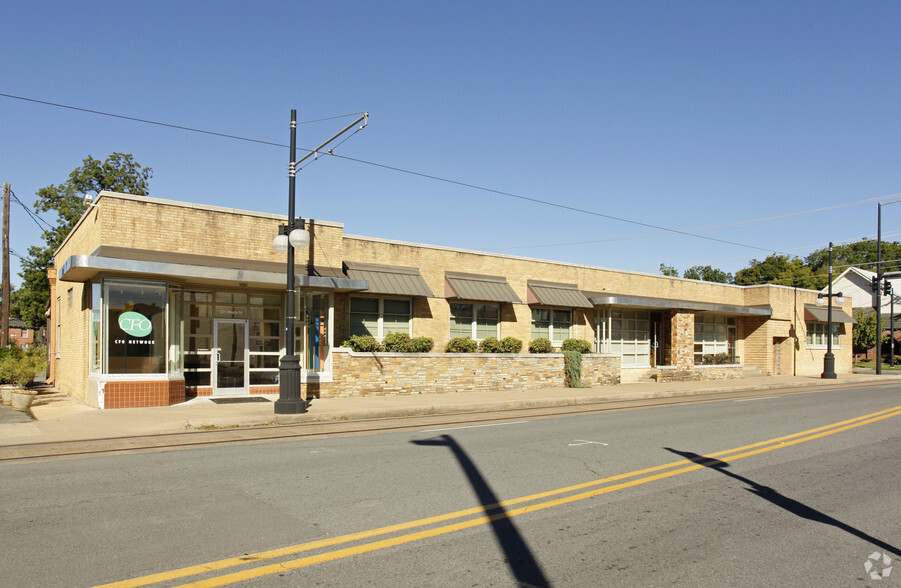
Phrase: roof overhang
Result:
[198,269]
[821,314]
[478,287]
[556,294]
[648,302]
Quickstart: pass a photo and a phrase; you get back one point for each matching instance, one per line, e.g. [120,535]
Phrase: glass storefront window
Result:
[136,319]
[96,339]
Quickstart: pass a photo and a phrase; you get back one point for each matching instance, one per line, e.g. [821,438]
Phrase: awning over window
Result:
[816,313]
[478,287]
[389,279]
[602,298]
[201,269]
[555,294]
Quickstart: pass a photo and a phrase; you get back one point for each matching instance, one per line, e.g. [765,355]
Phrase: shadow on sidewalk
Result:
[518,556]
[782,501]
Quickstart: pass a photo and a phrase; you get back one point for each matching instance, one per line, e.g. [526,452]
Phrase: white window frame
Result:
[475,318]
[380,330]
[816,335]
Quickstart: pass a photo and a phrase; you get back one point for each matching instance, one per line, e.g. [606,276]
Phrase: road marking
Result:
[757,398]
[489,513]
[474,426]
[580,442]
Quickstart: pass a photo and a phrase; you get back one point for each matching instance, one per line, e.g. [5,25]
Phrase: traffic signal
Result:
[874,284]
[886,287]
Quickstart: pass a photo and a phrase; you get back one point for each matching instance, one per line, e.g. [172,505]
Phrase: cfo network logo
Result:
[878,566]
[135,324]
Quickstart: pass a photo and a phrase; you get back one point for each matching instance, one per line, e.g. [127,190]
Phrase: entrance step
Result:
[749,371]
[638,375]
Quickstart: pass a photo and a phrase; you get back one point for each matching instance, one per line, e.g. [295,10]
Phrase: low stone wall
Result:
[719,372]
[363,374]
[700,372]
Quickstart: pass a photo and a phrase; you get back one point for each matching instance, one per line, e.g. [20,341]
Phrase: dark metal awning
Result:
[389,279]
[820,314]
[599,299]
[478,287]
[555,294]
[200,269]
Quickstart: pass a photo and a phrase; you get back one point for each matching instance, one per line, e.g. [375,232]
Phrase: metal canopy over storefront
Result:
[479,287]
[389,279]
[200,269]
[556,294]
[601,299]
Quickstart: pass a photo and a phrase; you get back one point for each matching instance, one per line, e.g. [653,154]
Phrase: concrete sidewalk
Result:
[59,417]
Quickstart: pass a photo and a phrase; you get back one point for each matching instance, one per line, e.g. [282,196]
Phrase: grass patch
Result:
[872,365]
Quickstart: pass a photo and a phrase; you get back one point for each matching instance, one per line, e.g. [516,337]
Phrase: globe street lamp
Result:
[293,236]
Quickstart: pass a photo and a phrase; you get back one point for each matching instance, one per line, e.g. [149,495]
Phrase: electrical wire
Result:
[331,152]
[33,215]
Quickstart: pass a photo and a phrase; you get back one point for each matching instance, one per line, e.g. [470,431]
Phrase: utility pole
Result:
[4,310]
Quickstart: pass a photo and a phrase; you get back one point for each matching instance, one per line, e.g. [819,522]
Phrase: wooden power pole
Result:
[4,310]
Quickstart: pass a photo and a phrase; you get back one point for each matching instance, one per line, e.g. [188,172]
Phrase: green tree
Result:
[861,254]
[119,173]
[783,270]
[668,270]
[863,336]
[708,274]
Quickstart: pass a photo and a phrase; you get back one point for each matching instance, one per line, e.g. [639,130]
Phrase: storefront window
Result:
[96,314]
[136,333]
[176,329]
[311,341]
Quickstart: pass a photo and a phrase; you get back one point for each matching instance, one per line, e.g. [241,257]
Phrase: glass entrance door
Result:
[230,374]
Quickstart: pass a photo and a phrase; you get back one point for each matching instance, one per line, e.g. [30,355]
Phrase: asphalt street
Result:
[794,489]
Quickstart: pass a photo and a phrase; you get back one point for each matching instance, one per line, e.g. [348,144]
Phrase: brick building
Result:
[20,334]
[148,310]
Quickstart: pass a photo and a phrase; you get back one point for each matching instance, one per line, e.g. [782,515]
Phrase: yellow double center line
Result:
[489,513]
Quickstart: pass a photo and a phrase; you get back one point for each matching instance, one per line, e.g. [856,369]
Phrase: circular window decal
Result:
[135,324]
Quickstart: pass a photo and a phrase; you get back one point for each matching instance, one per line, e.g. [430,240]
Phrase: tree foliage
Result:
[119,173]
[782,270]
[864,334]
[668,270]
[707,273]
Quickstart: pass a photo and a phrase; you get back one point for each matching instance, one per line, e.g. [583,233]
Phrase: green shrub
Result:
[511,345]
[20,368]
[422,344]
[362,343]
[397,342]
[580,345]
[540,345]
[572,369]
[490,345]
[461,345]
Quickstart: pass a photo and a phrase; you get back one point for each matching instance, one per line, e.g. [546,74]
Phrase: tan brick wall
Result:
[153,224]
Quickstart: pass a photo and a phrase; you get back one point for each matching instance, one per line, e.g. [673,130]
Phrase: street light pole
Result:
[293,236]
[829,358]
[289,400]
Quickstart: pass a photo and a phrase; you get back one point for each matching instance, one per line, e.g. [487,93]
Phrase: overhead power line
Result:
[33,215]
[666,230]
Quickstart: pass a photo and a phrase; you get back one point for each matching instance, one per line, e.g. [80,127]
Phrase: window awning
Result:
[813,312]
[478,287]
[555,294]
[200,269]
[389,279]
[600,298]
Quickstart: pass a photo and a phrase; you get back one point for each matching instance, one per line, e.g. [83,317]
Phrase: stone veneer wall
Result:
[712,372]
[363,374]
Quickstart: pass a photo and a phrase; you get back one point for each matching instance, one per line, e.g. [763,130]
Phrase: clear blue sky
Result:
[682,115]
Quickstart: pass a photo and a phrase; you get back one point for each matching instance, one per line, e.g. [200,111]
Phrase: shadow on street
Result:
[518,556]
[782,501]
